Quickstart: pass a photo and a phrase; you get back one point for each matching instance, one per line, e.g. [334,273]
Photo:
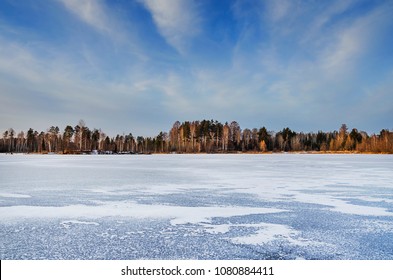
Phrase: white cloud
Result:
[176,20]
[378,100]
[90,11]
[279,9]
[325,53]
[33,86]
[15,60]
[350,43]
[285,75]
[334,9]
[103,19]
[343,51]
[317,73]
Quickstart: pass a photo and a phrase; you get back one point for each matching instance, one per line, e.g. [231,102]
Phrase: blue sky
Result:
[139,65]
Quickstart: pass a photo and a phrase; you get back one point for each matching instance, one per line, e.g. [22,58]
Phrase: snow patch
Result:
[214,229]
[14,195]
[67,224]
[177,214]
[271,232]
[342,206]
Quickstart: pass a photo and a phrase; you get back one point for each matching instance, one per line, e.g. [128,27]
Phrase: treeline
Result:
[205,136]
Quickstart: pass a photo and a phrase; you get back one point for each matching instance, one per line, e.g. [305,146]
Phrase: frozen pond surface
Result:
[281,206]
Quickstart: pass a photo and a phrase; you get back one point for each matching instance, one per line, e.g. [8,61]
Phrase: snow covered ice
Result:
[278,206]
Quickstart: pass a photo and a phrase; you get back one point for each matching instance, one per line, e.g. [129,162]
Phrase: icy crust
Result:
[110,238]
[196,207]
[176,214]
[14,195]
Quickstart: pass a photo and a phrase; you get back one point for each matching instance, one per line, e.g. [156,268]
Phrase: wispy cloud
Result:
[92,12]
[329,12]
[300,73]
[279,9]
[304,64]
[67,89]
[16,61]
[34,85]
[350,43]
[105,20]
[177,20]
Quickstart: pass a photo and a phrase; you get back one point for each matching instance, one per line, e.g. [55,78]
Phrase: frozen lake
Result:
[280,206]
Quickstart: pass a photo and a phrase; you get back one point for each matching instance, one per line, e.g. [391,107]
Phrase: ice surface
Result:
[16,195]
[67,224]
[271,232]
[177,214]
[280,206]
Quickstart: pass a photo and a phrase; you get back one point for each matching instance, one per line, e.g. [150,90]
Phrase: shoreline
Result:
[204,153]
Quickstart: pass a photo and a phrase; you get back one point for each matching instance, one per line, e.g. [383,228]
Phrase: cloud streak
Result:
[92,12]
[177,21]
[141,65]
